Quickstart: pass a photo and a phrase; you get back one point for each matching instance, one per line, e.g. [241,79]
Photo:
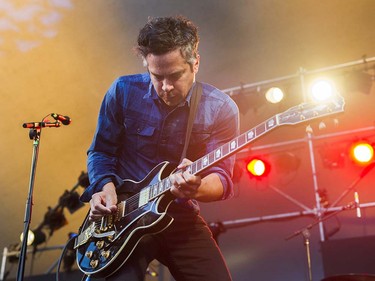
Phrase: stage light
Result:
[34,237]
[362,153]
[54,219]
[274,95]
[70,200]
[258,168]
[322,90]
[30,237]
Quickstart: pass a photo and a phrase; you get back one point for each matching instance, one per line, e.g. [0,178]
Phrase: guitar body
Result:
[110,245]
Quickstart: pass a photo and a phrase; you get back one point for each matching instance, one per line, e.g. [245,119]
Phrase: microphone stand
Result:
[34,134]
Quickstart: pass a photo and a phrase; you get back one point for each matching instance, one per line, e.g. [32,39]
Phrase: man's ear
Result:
[196,64]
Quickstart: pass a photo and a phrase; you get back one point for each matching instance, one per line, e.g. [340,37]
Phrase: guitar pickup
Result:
[104,234]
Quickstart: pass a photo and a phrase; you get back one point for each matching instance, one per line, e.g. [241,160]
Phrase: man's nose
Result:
[167,86]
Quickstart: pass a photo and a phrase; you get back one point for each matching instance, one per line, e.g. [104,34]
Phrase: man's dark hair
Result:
[165,34]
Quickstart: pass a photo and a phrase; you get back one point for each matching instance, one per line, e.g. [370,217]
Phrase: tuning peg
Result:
[322,125]
[309,129]
[336,122]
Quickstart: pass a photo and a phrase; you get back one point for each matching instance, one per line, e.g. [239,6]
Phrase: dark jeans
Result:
[186,247]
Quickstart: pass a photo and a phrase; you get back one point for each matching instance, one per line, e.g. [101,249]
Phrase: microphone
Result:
[32,125]
[63,119]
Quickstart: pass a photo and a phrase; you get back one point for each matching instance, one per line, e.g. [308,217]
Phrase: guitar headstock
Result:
[309,111]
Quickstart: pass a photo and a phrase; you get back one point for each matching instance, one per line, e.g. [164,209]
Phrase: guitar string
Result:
[165,183]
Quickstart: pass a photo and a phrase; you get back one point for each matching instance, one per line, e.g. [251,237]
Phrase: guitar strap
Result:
[194,101]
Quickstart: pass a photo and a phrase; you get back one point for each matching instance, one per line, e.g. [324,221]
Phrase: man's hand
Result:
[184,184]
[104,202]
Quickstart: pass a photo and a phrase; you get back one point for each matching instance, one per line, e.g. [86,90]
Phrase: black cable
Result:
[64,251]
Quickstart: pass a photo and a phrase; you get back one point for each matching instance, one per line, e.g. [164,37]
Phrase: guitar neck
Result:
[297,114]
[233,146]
[213,157]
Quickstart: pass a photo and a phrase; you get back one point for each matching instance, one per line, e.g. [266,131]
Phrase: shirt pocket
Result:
[142,137]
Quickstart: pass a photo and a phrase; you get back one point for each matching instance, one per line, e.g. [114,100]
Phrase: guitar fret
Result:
[271,123]
[205,161]
[211,157]
[250,135]
[233,145]
[218,153]
[192,168]
[161,187]
[154,190]
[166,184]
[225,149]
[260,129]
[241,140]
[121,210]
[198,165]
[189,169]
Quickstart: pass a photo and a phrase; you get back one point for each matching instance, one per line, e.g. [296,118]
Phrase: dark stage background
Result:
[61,56]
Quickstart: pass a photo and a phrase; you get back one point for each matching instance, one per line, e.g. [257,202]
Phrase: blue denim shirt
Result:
[136,131]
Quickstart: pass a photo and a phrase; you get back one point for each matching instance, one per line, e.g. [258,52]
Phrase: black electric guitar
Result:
[103,246]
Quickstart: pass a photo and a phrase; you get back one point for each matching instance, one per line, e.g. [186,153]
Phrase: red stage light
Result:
[362,153]
[257,167]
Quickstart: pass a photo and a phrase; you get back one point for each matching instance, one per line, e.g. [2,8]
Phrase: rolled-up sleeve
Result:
[226,128]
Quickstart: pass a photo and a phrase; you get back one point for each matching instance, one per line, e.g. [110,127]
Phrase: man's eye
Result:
[176,76]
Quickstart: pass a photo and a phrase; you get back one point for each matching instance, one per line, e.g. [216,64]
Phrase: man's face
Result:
[171,76]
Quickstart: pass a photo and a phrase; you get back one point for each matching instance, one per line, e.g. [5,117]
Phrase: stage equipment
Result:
[258,168]
[274,95]
[221,227]
[363,67]
[362,152]
[303,76]
[323,213]
[53,220]
[322,89]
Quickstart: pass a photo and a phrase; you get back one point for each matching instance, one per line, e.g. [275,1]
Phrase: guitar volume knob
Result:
[100,244]
[88,254]
[105,254]
[94,263]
